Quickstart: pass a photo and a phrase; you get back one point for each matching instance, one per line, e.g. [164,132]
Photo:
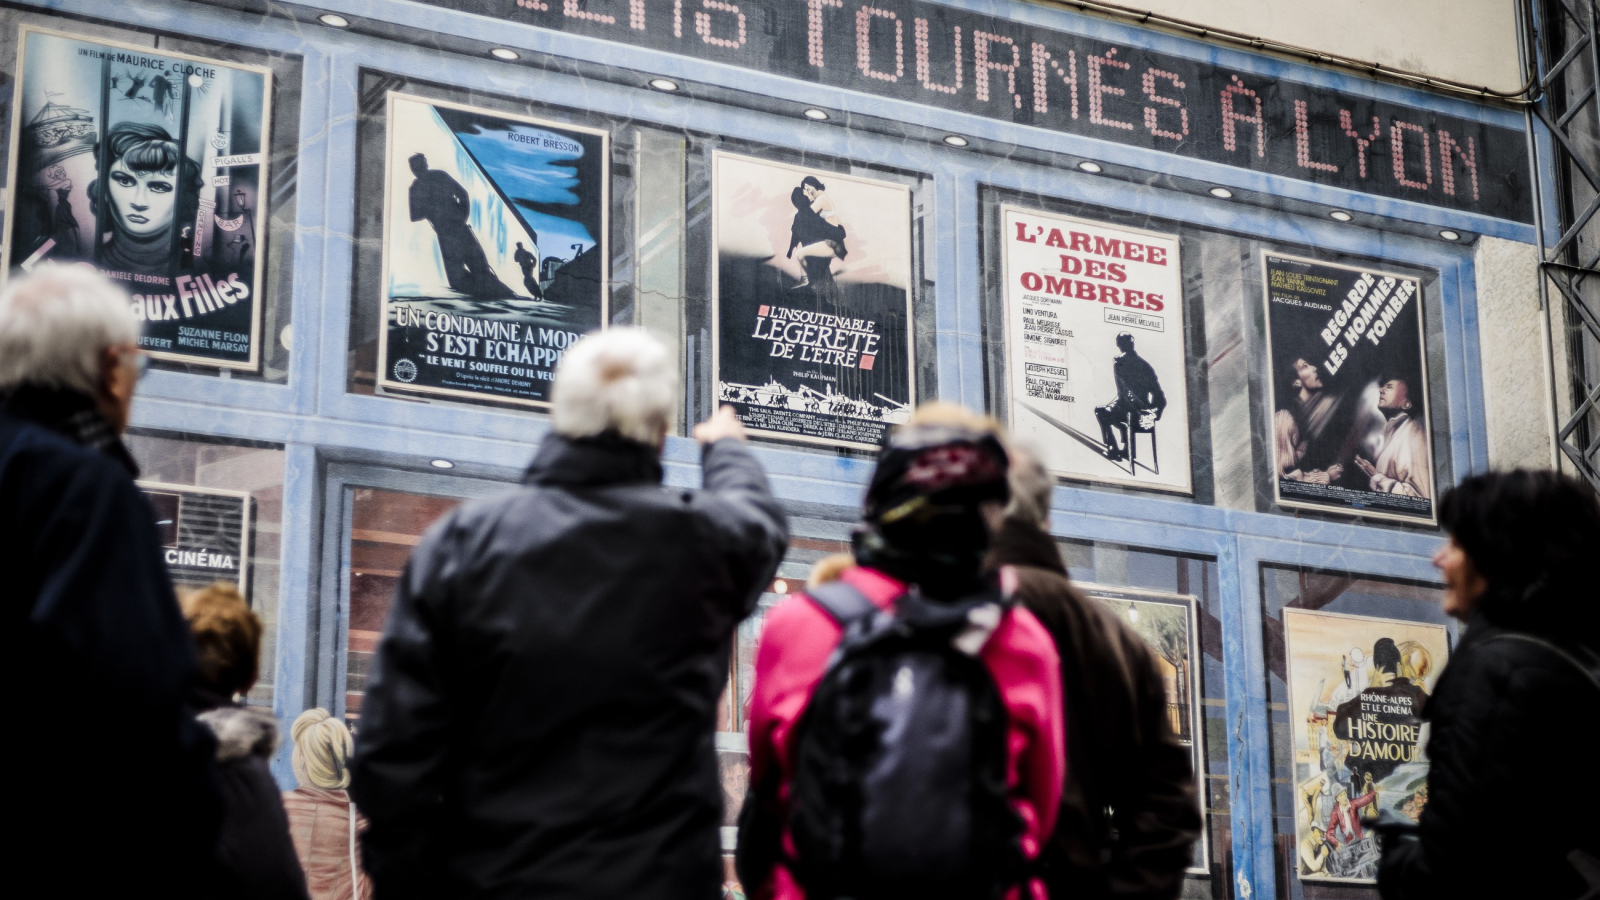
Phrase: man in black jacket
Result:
[96,654]
[541,717]
[1129,815]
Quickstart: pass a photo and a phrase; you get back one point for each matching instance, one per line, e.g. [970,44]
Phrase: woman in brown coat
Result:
[323,822]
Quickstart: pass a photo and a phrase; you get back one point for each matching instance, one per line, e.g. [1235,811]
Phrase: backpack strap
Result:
[843,603]
[1591,672]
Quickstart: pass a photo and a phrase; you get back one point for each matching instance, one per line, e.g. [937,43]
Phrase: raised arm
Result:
[748,519]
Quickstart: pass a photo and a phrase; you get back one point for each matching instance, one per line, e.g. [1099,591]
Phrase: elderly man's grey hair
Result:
[56,323]
[620,379]
[1031,485]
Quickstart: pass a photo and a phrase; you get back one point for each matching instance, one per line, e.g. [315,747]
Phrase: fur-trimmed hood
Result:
[241,732]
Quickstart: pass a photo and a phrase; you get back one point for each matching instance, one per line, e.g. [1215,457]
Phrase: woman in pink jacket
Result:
[939,486]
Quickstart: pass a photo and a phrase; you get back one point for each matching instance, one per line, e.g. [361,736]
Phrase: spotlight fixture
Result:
[504,53]
[956,140]
[816,115]
[333,20]
[1340,215]
[663,84]
[1093,168]
[441,464]
[780,586]
[1449,235]
[1221,193]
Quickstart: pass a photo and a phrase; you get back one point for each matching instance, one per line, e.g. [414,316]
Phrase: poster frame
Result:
[1011,357]
[1294,705]
[387,385]
[1191,602]
[717,155]
[258,301]
[1432,519]
[245,547]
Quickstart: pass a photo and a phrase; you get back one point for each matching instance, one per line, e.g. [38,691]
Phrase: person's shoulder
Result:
[795,614]
[1022,635]
[1516,663]
[59,466]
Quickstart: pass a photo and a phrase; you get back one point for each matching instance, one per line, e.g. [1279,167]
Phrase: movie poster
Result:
[1167,624]
[1350,425]
[1356,690]
[813,301]
[204,533]
[495,249]
[150,165]
[1095,367]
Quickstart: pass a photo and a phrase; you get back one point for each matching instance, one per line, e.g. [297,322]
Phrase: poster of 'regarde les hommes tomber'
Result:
[1095,368]
[1350,422]
[813,301]
[151,166]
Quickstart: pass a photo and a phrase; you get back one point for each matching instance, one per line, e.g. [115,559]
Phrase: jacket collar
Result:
[1019,543]
[71,414]
[595,461]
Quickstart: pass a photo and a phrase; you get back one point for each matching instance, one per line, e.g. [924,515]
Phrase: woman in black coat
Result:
[1513,801]
[255,856]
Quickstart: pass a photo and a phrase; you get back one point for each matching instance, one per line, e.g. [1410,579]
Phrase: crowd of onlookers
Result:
[941,714]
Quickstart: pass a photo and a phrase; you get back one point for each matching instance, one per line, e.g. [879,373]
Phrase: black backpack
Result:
[899,787]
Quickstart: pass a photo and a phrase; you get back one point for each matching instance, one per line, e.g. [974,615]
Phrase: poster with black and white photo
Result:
[1168,624]
[1095,367]
[495,249]
[151,166]
[812,316]
[1350,424]
[204,532]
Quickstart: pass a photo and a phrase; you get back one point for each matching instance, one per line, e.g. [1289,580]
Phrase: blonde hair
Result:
[940,412]
[227,637]
[829,568]
[322,748]
[56,323]
[620,379]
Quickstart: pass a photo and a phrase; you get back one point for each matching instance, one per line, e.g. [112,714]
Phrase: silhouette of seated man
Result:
[1138,393]
[441,200]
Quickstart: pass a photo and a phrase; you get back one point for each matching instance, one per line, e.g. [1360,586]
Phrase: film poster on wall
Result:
[812,317]
[1095,366]
[1351,430]
[1356,689]
[1167,623]
[204,532]
[495,249]
[151,166]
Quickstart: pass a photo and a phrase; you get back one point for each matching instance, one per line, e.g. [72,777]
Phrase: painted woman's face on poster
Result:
[150,166]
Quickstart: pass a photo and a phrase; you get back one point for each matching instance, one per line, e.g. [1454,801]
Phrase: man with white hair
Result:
[96,651]
[540,718]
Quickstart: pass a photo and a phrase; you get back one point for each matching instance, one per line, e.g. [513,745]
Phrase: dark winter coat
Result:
[540,718]
[1511,789]
[255,856]
[1121,751]
[97,663]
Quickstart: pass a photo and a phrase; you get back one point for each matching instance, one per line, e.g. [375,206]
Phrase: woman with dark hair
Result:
[152,188]
[1515,717]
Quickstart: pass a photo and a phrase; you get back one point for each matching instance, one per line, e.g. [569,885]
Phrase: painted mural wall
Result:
[1229,300]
